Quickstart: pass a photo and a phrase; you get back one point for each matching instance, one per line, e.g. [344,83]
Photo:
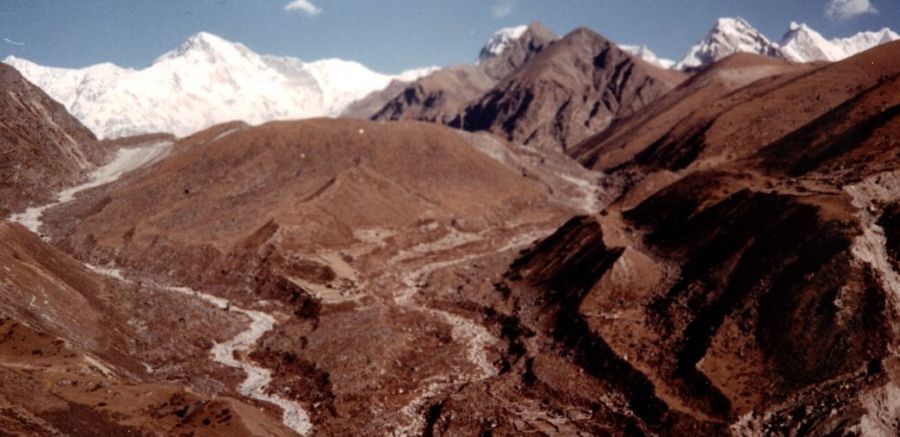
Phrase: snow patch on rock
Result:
[500,41]
[803,44]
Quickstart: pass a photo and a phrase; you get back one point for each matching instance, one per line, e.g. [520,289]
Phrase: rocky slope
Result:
[572,89]
[527,88]
[440,96]
[706,135]
[85,354]
[42,148]
[755,294]
[341,225]
[630,136]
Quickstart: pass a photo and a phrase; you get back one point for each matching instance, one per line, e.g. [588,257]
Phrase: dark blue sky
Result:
[387,35]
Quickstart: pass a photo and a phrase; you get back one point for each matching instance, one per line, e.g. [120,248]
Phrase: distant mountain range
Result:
[800,44]
[205,81]
[208,80]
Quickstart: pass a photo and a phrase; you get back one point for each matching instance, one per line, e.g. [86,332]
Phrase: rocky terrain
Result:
[629,251]
[528,88]
[352,232]
[748,293]
[43,150]
[439,96]
[575,87]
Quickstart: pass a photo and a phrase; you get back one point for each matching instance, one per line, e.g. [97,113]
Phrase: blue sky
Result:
[388,35]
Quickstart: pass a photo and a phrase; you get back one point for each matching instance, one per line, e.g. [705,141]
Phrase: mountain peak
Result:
[727,36]
[206,43]
[798,28]
[803,44]
[500,40]
[539,31]
[800,43]
[733,23]
[204,81]
[206,39]
[504,38]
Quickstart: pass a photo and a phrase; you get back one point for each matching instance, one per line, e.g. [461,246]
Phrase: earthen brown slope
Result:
[338,224]
[42,147]
[755,294]
[710,134]
[626,135]
[320,178]
[441,95]
[85,355]
[744,281]
[572,89]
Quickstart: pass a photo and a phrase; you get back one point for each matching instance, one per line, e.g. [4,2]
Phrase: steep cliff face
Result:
[42,147]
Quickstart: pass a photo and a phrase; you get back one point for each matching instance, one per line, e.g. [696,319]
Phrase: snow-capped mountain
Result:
[205,81]
[645,54]
[803,44]
[800,44]
[728,36]
[499,41]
